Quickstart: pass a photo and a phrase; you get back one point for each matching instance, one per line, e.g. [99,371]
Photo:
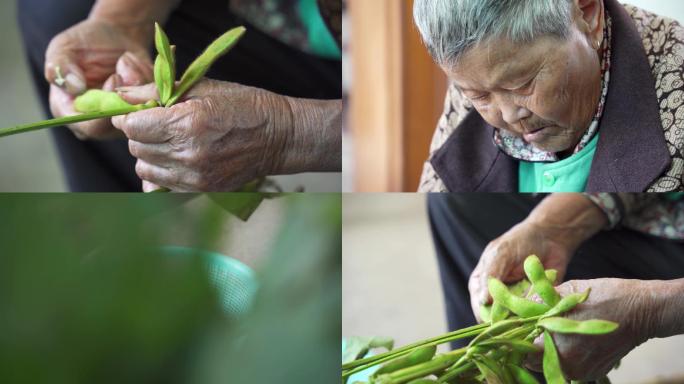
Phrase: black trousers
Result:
[259,61]
[463,224]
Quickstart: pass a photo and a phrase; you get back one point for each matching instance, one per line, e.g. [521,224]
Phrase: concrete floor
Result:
[29,161]
[390,283]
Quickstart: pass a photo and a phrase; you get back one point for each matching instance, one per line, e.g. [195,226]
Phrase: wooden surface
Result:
[397,96]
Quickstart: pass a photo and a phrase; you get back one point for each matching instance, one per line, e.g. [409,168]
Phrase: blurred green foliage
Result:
[86,295]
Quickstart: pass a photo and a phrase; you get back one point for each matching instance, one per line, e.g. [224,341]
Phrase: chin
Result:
[552,147]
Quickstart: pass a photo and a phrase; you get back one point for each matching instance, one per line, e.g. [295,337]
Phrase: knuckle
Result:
[142,170]
[134,148]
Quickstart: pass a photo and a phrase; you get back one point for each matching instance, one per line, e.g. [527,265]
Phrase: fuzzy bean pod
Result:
[521,375]
[540,284]
[587,327]
[96,100]
[518,305]
[567,303]
[416,357]
[551,363]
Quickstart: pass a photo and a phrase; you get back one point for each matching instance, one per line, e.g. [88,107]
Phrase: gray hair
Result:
[451,27]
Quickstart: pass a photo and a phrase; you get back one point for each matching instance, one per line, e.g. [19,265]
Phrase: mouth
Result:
[535,135]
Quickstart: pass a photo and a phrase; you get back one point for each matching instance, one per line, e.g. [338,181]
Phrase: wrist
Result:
[315,141]
[568,218]
[135,17]
[665,301]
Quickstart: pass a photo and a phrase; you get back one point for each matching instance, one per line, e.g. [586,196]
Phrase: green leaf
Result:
[164,65]
[358,347]
[587,327]
[241,205]
[201,65]
[552,369]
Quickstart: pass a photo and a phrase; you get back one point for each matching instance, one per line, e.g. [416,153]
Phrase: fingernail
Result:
[74,83]
[122,89]
[483,298]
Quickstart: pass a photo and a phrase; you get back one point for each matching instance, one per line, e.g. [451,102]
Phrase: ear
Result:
[589,16]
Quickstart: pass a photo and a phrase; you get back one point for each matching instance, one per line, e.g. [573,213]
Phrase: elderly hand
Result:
[553,231]
[95,54]
[224,135]
[634,304]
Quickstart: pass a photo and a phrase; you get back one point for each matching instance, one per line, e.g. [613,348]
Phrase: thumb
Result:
[138,95]
[62,70]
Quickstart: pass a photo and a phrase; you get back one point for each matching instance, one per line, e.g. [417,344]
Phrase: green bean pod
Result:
[552,368]
[521,346]
[587,327]
[518,305]
[427,368]
[567,303]
[551,275]
[499,312]
[422,381]
[486,313]
[97,100]
[521,375]
[416,357]
[540,284]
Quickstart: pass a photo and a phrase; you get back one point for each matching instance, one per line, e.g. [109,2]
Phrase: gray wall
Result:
[28,162]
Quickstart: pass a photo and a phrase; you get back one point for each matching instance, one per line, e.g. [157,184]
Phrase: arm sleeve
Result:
[456,106]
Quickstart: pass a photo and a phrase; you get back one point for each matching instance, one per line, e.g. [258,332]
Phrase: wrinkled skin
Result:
[623,301]
[219,137]
[553,231]
[95,55]
[503,258]
[545,91]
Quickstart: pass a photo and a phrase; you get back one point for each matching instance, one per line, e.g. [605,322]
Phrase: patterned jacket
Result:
[641,147]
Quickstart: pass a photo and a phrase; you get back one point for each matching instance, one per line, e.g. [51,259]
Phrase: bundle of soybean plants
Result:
[499,345]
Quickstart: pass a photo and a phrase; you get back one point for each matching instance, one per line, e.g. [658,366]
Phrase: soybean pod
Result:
[567,303]
[540,284]
[521,375]
[552,368]
[587,327]
[416,357]
[518,305]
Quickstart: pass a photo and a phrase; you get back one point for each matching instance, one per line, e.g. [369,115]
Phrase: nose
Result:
[512,113]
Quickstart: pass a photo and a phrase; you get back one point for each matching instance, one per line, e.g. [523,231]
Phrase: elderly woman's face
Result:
[546,91]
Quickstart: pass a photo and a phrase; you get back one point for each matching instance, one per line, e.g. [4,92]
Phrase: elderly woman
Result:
[555,96]
[277,109]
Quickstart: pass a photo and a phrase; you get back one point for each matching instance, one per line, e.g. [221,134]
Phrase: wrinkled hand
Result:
[626,302]
[504,257]
[95,54]
[222,136]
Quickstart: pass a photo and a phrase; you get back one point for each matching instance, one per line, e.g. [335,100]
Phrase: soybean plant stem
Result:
[71,120]
[461,333]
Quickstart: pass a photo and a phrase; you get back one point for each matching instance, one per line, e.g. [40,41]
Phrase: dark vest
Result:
[631,153]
